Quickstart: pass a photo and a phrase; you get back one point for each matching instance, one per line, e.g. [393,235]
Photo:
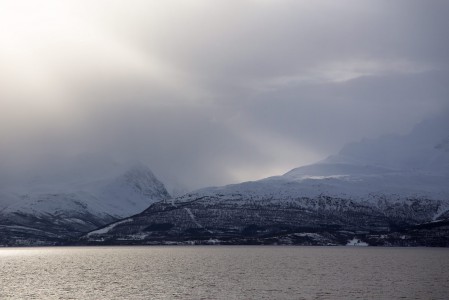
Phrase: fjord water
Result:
[224,272]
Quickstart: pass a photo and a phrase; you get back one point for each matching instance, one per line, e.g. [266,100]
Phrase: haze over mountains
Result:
[374,186]
[412,165]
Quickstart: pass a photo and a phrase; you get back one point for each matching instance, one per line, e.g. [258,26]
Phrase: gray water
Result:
[222,272]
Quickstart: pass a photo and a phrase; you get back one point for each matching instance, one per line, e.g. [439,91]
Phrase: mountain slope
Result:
[375,187]
[48,211]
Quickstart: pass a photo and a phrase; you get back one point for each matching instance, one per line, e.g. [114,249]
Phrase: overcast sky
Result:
[215,92]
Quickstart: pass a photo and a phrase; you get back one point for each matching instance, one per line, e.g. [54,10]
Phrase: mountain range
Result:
[393,190]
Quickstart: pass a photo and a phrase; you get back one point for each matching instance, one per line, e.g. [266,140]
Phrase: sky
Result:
[214,92]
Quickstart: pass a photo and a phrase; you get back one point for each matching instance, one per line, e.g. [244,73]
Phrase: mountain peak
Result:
[141,179]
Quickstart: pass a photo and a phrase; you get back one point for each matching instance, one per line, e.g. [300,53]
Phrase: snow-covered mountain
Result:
[77,198]
[379,185]
[410,166]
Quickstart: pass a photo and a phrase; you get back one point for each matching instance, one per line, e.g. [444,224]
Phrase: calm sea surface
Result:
[222,272]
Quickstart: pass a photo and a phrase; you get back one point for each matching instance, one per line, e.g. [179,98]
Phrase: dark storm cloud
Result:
[213,92]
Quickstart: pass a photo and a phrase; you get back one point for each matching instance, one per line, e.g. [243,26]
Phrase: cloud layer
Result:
[214,92]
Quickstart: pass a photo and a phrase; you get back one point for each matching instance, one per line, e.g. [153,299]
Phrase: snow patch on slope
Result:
[108,228]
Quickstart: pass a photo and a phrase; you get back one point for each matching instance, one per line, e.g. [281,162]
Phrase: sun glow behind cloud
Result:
[57,61]
[49,48]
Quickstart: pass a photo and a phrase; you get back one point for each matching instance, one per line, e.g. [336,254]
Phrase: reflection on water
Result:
[224,272]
